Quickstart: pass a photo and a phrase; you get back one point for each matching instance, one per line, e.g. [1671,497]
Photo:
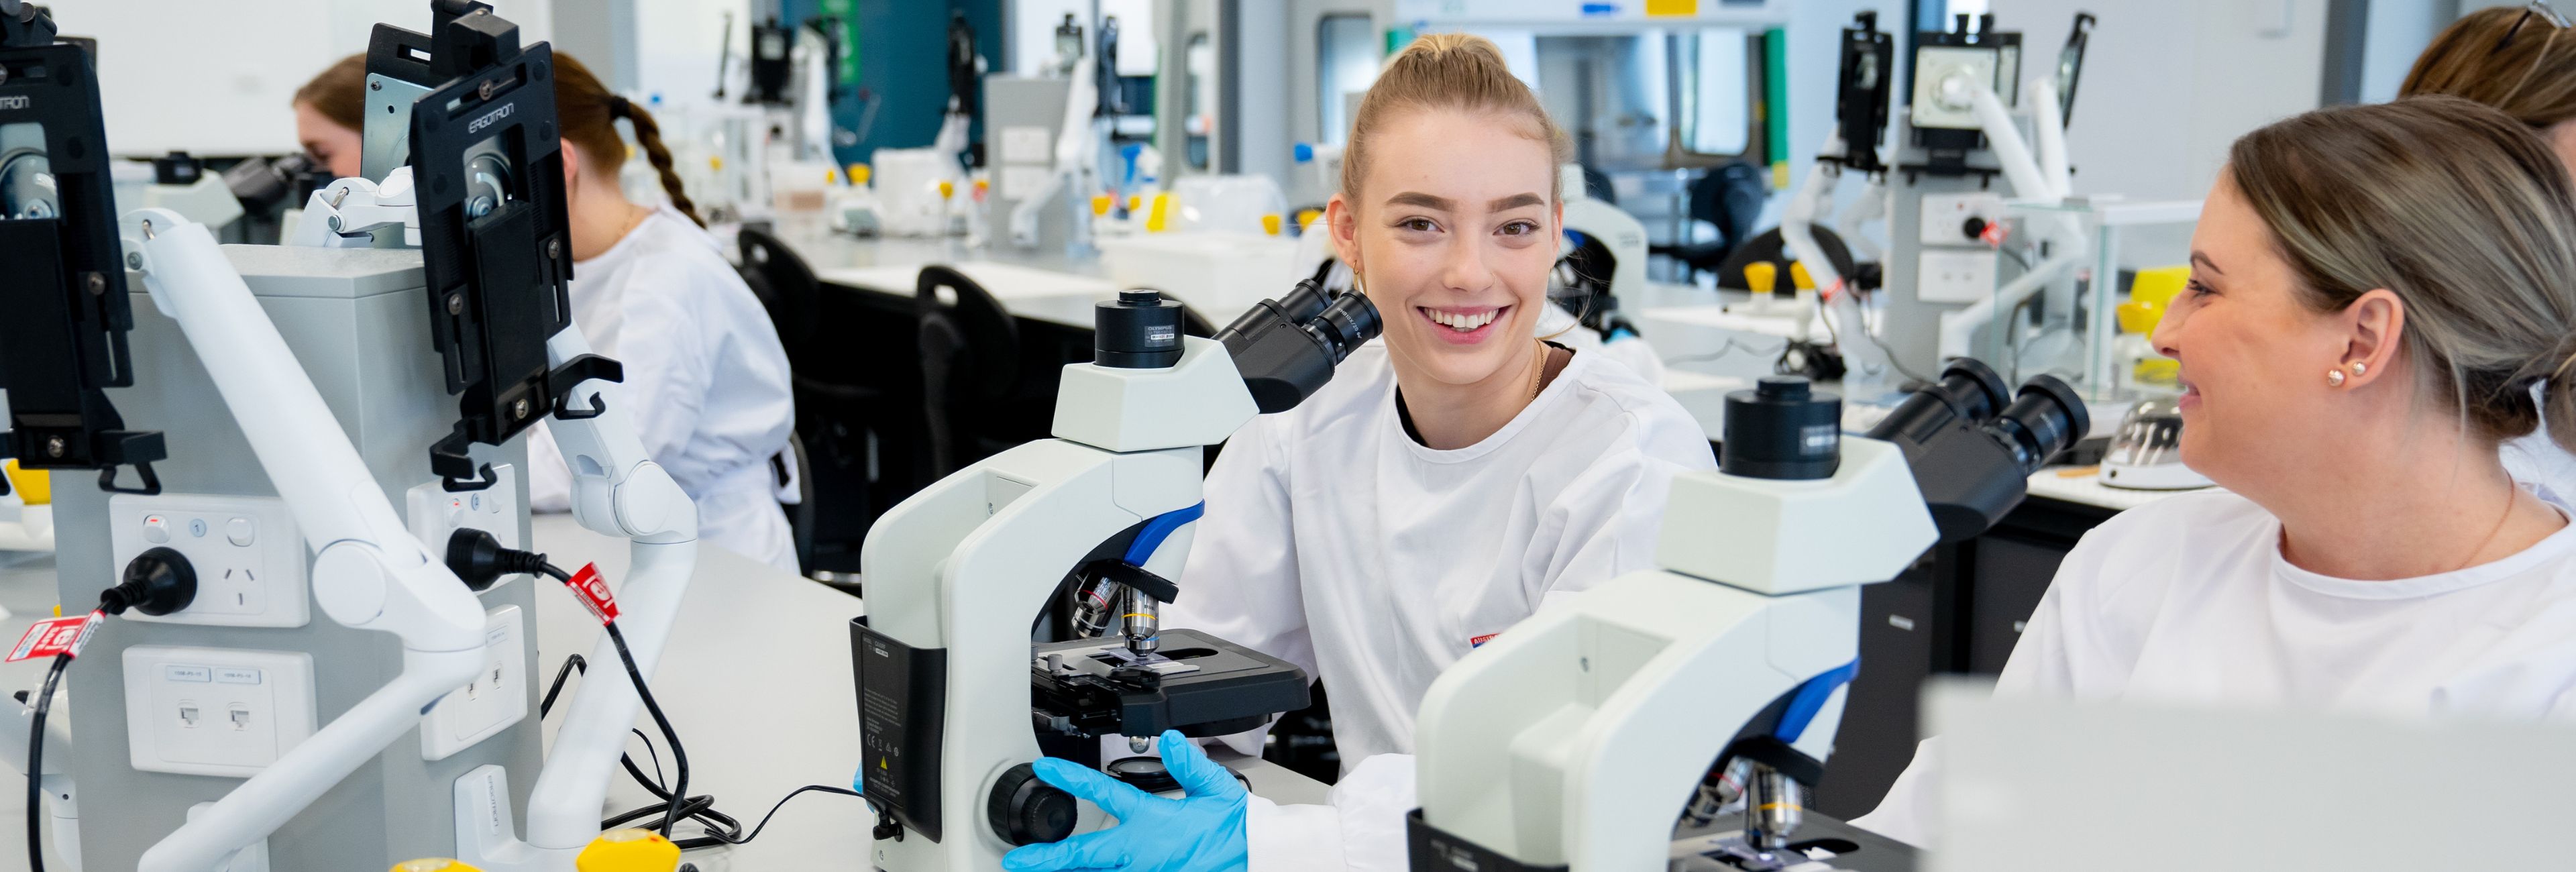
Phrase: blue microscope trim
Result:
[1811,698]
[1159,529]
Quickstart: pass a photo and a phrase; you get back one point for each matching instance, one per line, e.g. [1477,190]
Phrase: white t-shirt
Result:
[1337,542]
[705,371]
[2190,600]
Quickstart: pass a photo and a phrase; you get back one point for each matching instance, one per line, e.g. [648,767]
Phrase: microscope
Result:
[955,700]
[1582,739]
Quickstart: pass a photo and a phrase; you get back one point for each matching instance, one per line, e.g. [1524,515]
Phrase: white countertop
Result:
[757,681]
[1048,285]
[2083,484]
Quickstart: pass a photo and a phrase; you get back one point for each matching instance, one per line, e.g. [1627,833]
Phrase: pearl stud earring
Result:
[2358,368]
[2334,378]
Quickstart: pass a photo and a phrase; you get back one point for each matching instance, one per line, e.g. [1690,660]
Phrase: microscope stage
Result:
[1195,683]
[1720,848]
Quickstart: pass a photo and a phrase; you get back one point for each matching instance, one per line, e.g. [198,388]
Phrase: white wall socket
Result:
[246,551]
[1945,216]
[497,698]
[1955,275]
[214,711]
[434,513]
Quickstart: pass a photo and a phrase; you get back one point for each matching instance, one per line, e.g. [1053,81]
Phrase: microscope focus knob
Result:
[1027,811]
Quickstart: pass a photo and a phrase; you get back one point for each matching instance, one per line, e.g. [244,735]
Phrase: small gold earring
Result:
[2334,378]
[2358,368]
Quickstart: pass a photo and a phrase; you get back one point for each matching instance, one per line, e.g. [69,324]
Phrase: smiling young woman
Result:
[1454,476]
[2376,291]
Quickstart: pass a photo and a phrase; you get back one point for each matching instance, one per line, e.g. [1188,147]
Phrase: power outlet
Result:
[435,513]
[1960,219]
[214,711]
[250,859]
[1952,275]
[497,698]
[246,551]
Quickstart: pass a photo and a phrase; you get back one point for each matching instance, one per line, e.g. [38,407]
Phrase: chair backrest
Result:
[985,346]
[970,361]
[786,286]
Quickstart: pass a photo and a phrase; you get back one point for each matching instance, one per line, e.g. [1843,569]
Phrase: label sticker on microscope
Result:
[57,636]
[594,593]
[1480,641]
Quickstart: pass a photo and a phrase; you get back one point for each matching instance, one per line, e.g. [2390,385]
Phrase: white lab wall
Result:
[677,43]
[2169,84]
[215,78]
[1032,30]
[2397,31]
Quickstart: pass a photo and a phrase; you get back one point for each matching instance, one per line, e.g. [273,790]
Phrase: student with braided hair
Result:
[652,290]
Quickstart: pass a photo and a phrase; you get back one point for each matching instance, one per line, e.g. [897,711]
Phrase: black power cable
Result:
[36,763]
[480,560]
[679,755]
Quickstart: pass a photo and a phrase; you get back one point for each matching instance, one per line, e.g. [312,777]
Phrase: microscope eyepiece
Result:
[1968,391]
[1347,324]
[2045,420]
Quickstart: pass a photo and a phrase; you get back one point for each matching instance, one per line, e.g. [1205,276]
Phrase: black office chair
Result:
[970,369]
[1729,198]
[840,421]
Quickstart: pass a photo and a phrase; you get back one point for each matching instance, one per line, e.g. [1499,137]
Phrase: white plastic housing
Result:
[1864,525]
[1198,401]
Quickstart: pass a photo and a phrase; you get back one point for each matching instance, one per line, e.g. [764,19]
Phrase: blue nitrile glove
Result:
[1201,832]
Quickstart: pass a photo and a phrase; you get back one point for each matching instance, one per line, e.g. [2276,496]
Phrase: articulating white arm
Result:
[617,490]
[348,212]
[1076,152]
[368,572]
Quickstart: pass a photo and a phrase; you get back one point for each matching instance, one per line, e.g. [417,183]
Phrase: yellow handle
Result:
[1270,223]
[433,864]
[1100,204]
[860,173]
[33,486]
[1761,276]
[1798,277]
[947,189]
[1161,216]
[628,850]
[1306,217]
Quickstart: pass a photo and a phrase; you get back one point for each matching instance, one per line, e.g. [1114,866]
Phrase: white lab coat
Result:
[705,372]
[2538,462]
[1337,542]
[1557,325]
[2189,600]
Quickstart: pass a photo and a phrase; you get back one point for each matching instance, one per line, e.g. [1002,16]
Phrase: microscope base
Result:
[1216,688]
[1718,848]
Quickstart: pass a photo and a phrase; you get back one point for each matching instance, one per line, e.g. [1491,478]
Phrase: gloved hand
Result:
[1201,832]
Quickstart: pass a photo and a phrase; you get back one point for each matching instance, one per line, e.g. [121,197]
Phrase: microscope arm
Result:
[368,572]
[617,490]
